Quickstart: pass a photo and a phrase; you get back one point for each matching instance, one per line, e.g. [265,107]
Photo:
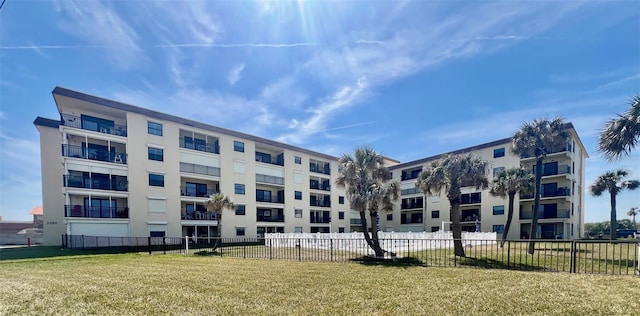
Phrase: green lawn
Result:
[187,284]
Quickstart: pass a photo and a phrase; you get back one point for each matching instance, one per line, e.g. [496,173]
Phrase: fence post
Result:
[244,248]
[408,248]
[63,242]
[270,249]
[186,244]
[331,245]
[299,251]
[149,244]
[508,254]
[164,245]
[574,257]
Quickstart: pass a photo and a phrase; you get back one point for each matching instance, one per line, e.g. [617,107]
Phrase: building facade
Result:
[114,169]
[561,214]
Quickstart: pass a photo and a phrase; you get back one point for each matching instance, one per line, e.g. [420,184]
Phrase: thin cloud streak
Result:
[265,45]
[346,126]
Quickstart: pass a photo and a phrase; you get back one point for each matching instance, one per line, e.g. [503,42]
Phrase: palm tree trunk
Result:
[533,232]
[509,219]
[218,233]
[374,233]
[457,229]
[365,229]
[614,221]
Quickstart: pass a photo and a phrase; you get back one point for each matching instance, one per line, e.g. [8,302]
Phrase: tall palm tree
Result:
[620,135]
[369,189]
[614,183]
[633,212]
[449,174]
[506,184]
[539,138]
[216,204]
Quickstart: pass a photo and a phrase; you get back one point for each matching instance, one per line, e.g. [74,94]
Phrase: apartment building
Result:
[114,169]
[561,213]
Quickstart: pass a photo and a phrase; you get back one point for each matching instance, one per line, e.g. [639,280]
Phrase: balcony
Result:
[473,198]
[191,215]
[277,218]
[554,170]
[566,148]
[95,211]
[410,191]
[103,182]
[272,199]
[470,215]
[411,218]
[199,169]
[410,174]
[411,203]
[320,203]
[320,218]
[269,179]
[267,158]
[318,185]
[323,168]
[196,192]
[199,142]
[560,192]
[546,214]
[94,124]
[94,154]
[355,221]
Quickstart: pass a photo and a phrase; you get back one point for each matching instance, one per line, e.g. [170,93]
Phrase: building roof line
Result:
[180,120]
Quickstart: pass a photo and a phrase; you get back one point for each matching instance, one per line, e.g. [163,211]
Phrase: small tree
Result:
[613,182]
[369,189]
[506,184]
[216,204]
[538,139]
[621,135]
[633,212]
[449,174]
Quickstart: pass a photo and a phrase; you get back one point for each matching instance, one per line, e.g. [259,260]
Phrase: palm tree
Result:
[614,183]
[539,138]
[620,135]
[633,212]
[368,189]
[506,184]
[450,173]
[217,203]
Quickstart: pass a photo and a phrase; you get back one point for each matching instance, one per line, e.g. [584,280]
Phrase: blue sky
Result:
[410,78]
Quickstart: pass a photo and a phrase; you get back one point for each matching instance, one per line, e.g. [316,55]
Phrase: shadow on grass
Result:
[42,252]
[389,262]
[487,263]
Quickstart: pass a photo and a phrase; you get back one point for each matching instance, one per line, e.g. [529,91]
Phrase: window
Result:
[298,195]
[239,188]
[154,128]
[498,210]
[498,152]
[298,160]
[298,229]
[498,229]
[497,171]
[239,231]
[434,229]
[389,217]
[238,146]
[298,213]
[156,180]
[435,214]
[156,154]
[341,200]
[340,229]
[240,209]
[155,233]
[340,215]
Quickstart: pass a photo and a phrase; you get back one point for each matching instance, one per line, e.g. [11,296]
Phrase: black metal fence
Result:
[619,257]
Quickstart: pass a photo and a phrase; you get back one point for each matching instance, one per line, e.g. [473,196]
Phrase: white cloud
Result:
[234,74]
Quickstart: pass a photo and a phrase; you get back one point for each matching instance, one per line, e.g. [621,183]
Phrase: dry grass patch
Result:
[179,284]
